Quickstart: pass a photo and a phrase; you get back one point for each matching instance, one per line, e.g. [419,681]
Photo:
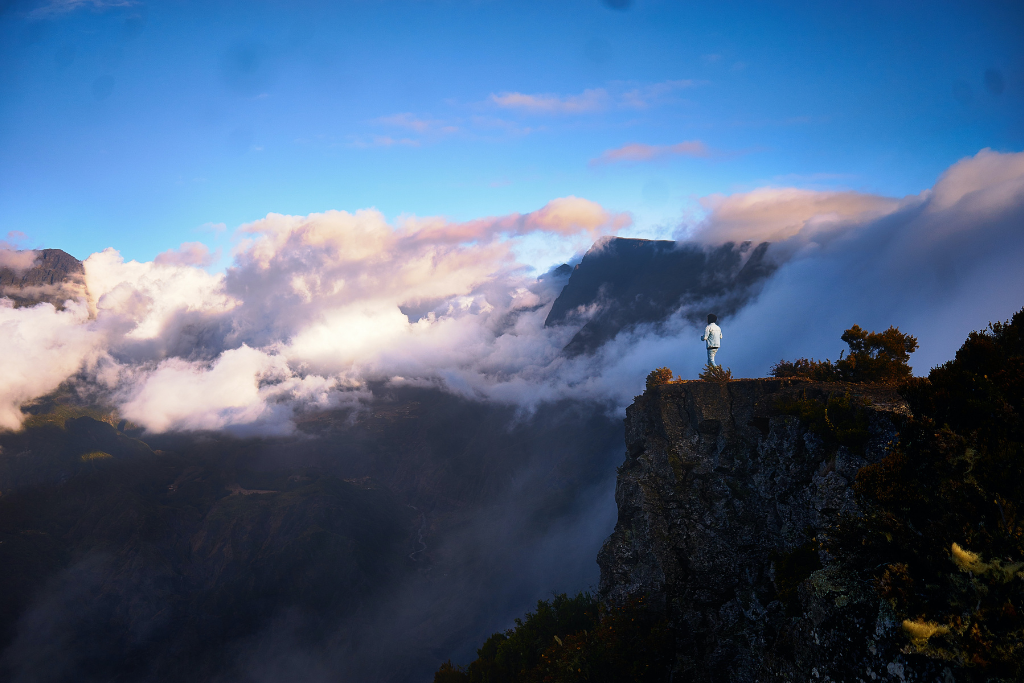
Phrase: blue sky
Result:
[141,125]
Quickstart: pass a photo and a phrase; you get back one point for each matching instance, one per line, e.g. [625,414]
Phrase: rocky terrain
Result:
[622,283]
[54,277]
[725,507]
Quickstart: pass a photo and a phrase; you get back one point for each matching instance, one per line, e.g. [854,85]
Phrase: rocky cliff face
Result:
[725,507]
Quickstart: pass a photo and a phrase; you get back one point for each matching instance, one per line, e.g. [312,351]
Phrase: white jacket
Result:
[713,336]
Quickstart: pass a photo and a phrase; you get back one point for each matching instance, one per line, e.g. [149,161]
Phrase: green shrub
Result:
[569,640]
[878,357]
[942,535]
[818,370]
[449,673]
[507,657]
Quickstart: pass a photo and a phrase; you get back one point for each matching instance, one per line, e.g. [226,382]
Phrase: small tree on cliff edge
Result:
[715,373]
[874,357]
[658,377]
[877,356]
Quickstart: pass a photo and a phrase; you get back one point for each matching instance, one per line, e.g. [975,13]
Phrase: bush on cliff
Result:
[658,377]
[882,357]
[570,640]
[942,537]
[818,370]
[715,373]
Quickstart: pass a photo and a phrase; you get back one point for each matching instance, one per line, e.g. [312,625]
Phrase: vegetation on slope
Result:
[572,639]
[942,537]
[119,563]
[878,357]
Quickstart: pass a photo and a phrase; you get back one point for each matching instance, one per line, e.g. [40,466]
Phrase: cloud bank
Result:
[316,306]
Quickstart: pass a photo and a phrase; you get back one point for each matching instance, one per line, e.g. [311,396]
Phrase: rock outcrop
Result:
[623,282]
[725,508]
[53,277]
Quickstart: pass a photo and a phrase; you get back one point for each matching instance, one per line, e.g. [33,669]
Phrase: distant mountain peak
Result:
[55,277]
[623,282]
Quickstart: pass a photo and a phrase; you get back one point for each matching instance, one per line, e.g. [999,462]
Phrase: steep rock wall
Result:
[724,503]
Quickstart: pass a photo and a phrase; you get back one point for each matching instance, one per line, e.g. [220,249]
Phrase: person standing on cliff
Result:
[713,336]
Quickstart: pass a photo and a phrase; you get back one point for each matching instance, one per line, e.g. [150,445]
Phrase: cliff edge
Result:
[725,501]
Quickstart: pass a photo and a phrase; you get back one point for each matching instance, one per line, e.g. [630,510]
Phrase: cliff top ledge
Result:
[755,393]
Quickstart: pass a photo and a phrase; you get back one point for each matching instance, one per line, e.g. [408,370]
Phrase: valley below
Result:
[369,545]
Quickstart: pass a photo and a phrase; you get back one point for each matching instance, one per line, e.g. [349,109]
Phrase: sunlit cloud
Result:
[314,307]
[776,214]
[15,260]
[188,254]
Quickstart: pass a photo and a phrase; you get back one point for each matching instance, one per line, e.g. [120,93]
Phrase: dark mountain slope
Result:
[152,566]
[372,546]
[621,283]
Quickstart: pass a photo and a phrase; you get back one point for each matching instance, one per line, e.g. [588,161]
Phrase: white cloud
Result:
[314,306]
[42,348]
[243,387]
[15,260]
[188,254]
[619,94]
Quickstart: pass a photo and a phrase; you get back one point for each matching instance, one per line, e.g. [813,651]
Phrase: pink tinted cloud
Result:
[776,214]
[417,123]
[188,254]
[18,261]
[11,257]
[564,216]
[638,152]
[588,101]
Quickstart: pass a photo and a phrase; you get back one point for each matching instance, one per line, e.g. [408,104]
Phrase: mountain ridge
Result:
[624,282]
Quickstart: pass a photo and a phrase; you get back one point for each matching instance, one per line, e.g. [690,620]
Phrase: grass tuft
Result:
[715,373]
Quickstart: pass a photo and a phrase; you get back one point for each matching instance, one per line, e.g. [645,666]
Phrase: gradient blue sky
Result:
[140,125]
